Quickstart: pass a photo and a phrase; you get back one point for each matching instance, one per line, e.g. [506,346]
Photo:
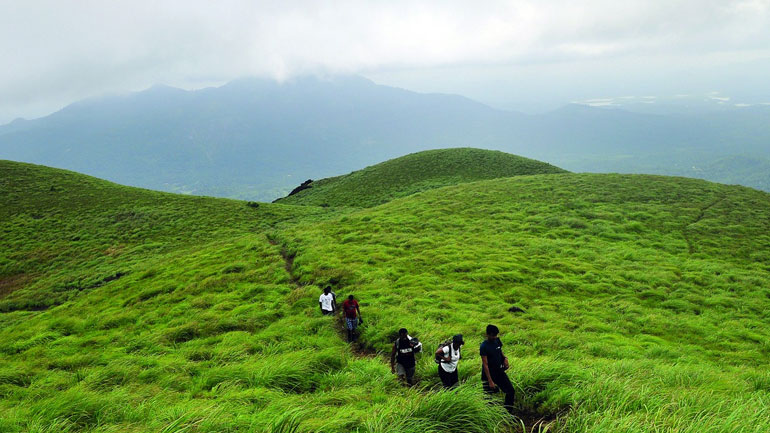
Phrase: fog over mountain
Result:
[525,55]
[257,138]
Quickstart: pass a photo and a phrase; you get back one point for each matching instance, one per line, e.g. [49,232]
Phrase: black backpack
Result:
[416,345]
[439,358]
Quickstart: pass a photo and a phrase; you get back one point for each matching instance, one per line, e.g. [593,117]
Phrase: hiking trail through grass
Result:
[699,218]
[174,313]
[526,421]
[358,348]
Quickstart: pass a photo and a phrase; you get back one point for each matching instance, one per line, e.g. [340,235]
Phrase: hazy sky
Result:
[526,55]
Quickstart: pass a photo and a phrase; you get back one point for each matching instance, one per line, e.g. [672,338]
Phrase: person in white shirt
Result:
[327,302]
[448,357]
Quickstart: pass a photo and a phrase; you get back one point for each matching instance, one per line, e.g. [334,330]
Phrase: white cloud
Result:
[598,102]
[59,51]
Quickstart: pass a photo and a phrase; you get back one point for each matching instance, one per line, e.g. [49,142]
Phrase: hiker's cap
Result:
[458,339]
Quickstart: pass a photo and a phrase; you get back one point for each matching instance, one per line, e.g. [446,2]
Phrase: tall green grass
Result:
[646,297]
[646,304]
[202,330]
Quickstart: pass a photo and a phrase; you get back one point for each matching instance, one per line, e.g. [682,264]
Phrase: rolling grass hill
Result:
[130,310]
[646,297]
[413,173]
[645,305]
[64,232]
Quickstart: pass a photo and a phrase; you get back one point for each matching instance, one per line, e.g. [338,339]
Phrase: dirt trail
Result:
[536,423]
[701,215]
[359,349]
[12,283]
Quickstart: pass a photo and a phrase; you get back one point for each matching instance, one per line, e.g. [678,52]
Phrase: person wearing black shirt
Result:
[402,360]
[493,366]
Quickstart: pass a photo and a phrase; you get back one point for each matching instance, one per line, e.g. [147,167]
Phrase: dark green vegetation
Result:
[255,139]
[647,306]
[413,173]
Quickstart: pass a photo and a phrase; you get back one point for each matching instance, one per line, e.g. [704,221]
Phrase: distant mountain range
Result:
[256,139]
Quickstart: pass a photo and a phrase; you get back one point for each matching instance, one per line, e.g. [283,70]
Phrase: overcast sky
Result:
[525,55]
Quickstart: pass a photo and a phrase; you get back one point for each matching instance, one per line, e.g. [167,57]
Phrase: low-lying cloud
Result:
[54,52]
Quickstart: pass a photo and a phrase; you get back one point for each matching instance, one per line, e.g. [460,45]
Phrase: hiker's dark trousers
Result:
[448,379]
[503,384]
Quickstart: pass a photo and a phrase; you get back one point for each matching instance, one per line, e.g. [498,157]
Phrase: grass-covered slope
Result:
[646,306]
[647,298]
[64,232]
[413,173]
[134,311]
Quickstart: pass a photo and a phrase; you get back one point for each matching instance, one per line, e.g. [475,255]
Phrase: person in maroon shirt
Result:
[352,316]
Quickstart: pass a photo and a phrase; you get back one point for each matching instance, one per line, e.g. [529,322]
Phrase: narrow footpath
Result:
[528,422]
[358,348]
[701,215]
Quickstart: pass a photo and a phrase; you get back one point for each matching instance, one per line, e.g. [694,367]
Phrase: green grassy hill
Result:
[413,173]
[130,310]
[646,306]
[646,298]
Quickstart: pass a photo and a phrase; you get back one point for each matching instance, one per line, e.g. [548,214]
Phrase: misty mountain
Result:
[256,139]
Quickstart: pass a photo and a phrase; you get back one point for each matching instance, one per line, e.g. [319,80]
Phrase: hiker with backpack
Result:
[493,366]
[352,317]
[327,301]
[402,360]
[447,357]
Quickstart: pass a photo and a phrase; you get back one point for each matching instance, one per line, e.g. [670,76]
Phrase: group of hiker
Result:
[402,357]
[352,312]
